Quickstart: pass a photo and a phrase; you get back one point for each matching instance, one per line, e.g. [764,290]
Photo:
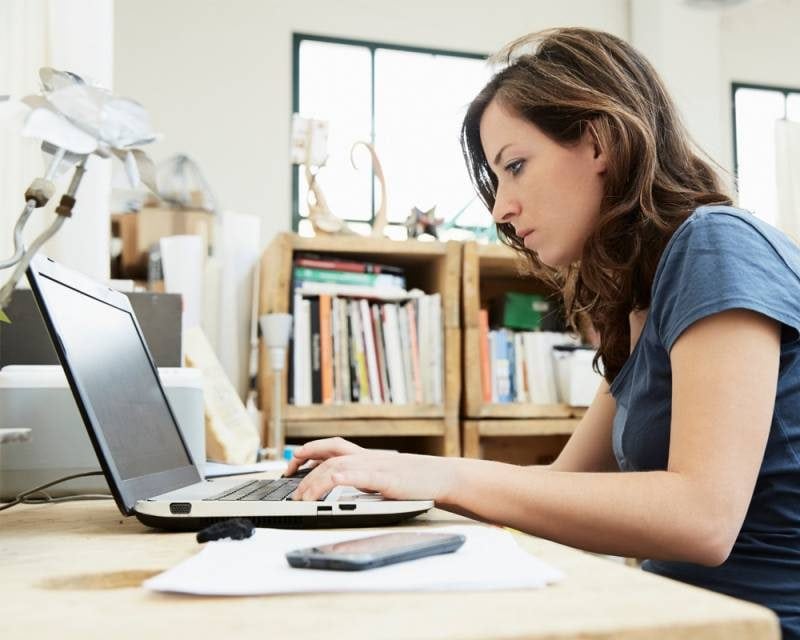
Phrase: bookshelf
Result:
[430,266]
[514,432]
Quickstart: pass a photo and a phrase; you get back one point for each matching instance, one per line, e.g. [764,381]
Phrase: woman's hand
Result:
[319,450]
[397,476]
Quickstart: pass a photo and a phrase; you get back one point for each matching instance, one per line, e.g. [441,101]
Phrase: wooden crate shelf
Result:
[429,266]
[488,271]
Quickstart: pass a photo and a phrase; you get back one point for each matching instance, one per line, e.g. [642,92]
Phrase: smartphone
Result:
[375,551]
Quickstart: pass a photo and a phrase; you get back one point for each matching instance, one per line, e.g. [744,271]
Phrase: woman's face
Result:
[550,193]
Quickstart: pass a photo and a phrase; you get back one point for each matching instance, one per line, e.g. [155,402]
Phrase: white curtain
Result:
[76,36]
[787,175]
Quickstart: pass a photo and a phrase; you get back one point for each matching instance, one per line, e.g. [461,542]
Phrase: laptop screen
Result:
[106,353]
[115,385]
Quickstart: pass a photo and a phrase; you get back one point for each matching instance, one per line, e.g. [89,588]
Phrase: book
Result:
[361,391]
[315,261]
[336,351]
[316,364]
[410,308]
[405,353]
[502,366]
[345,388]
[326,349]
[380,349]
[371,355]
[394,358]
[483,336]
[306,274]
[437,355]
[302,389]
[392,294]
[520,387]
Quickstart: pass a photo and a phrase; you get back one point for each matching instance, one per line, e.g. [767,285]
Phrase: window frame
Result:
[735,86]
[373,46]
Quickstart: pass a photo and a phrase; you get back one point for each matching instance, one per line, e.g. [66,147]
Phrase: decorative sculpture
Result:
[421,222]
[379,219]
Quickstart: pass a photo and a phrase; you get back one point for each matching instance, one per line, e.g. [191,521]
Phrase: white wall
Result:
[76,36]
[216,74]
[683,43]
[759,45]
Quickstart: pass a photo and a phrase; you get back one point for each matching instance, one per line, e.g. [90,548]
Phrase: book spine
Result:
[411,309]
[372,357]
[305,274]
[360,376]
[316,365]
[406,352]
[486,374]
[295,394]
[336,348]
[437,331]
[380,349]
[423,334]
[502,369]
[519,369]
[493,364]
[391,294]
[394,358]
[344,342]
[305,360]
[326,349]
[346,265]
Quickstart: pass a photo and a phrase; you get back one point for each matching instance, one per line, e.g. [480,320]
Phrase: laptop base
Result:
[281,522]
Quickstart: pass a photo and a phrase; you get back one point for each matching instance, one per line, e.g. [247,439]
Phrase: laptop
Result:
[137,440]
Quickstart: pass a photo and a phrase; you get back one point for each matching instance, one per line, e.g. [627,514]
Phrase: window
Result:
[756,110]
[407,102]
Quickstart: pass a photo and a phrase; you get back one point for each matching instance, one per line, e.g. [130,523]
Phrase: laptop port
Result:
[325,508]
[180,507]
[347,507]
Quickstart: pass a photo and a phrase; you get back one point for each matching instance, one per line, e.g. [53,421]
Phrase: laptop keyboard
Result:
[271,490]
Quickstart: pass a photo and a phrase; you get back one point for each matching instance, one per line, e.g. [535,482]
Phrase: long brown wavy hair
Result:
[578,78]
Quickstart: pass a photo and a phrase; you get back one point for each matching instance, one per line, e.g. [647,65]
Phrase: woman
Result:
[577,151]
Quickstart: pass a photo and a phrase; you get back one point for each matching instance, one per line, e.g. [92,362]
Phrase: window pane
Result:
[756,113]
[335,85]
[793,107]
[420,101]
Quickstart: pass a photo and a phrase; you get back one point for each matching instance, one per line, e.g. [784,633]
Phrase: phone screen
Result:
[382,543]
[375,551]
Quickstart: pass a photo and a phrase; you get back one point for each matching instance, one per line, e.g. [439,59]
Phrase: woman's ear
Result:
[599,158]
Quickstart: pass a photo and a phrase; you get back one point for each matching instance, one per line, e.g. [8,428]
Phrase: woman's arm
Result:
[724,371]
[589,447]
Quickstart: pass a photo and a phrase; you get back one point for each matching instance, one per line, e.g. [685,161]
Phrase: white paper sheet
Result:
[489,559]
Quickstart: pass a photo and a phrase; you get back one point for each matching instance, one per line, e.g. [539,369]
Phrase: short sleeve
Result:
[716,262]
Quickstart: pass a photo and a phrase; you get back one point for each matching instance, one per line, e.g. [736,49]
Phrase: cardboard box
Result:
[140,231]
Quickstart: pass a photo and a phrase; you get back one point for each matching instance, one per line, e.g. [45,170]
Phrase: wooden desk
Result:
[73,570]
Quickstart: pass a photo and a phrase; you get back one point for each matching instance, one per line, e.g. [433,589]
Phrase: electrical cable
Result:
[24,497]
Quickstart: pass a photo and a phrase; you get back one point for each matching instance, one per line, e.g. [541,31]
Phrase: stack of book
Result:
[519,366]
[360,336]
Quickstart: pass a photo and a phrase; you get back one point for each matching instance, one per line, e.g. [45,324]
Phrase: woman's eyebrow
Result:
[500,153]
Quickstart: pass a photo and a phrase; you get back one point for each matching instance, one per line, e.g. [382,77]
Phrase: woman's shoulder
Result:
[728,234]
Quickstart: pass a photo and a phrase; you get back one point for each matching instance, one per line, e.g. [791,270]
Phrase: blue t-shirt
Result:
[725,258]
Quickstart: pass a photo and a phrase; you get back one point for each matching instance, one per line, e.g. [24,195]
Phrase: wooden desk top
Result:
[73,570]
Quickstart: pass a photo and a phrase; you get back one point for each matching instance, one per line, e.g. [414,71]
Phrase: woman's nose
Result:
[505,209]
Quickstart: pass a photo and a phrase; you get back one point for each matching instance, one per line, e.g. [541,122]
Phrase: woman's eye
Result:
[514,167]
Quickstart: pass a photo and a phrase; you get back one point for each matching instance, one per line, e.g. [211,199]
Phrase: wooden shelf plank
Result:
[521,410]
[353,428]
[542,427]
[327,412]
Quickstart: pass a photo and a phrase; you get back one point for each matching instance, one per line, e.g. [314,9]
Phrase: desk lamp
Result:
[276,329]
[75,119]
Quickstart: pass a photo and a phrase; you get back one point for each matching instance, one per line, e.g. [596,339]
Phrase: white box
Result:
[39,398]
